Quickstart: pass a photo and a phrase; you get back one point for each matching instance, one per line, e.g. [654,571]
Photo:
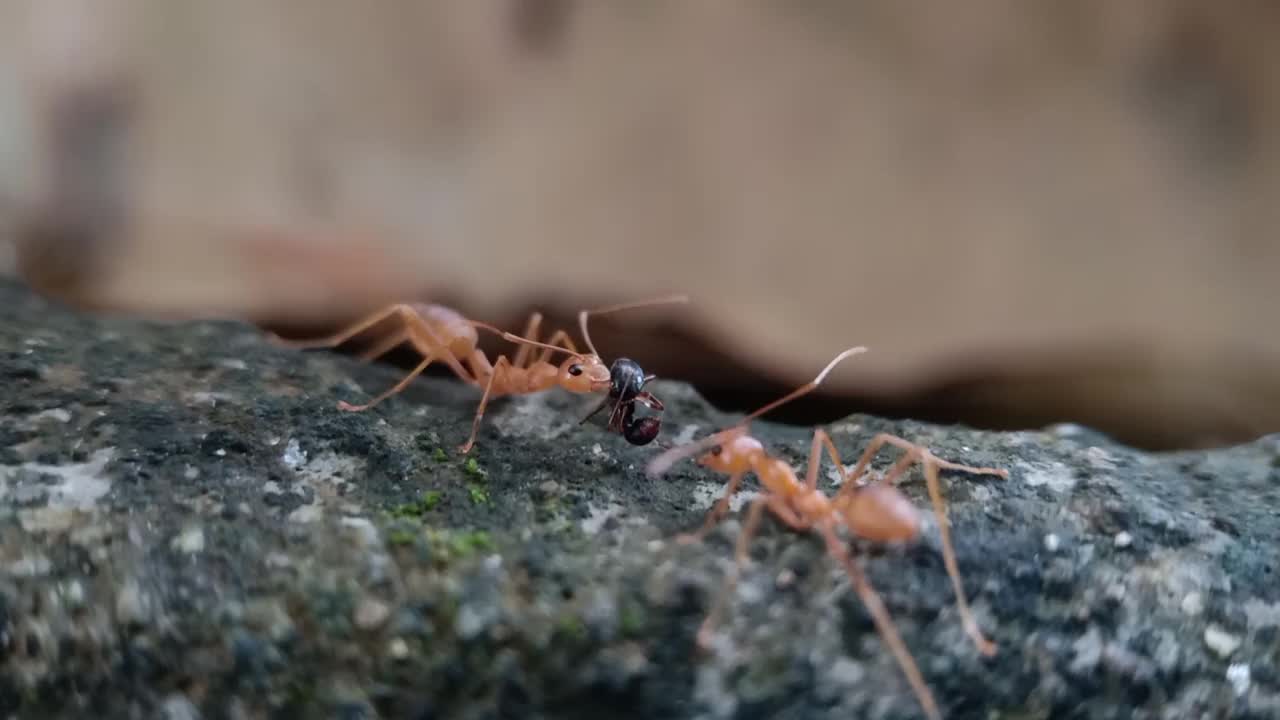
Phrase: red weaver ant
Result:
[441,334]
[876,511]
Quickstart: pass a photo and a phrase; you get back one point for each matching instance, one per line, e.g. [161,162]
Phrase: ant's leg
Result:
[384,346]
[603,401]
[914,453]
[754,515]
[426,342]
[784,513]
[404,311]
[883,622]
[559,338]
[717,513]
[480,367]
[985,646]
[649,400]
[530,333]
[873,448]
[822,439]
[908,446]
[498,368]
[344,405]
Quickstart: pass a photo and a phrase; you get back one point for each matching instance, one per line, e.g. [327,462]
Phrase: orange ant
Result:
[441,334]
[877,512]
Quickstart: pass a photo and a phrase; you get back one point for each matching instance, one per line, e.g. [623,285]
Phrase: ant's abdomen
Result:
[450,327]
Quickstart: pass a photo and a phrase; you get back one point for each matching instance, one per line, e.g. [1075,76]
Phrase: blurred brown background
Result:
[1030,211]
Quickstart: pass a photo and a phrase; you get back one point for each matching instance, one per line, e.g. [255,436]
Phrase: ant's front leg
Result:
[716,514]
[649,400]
[499,368]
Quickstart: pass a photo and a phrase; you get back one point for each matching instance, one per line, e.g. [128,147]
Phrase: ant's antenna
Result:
[807,387]
[660,464]
[582,316]
[512,337]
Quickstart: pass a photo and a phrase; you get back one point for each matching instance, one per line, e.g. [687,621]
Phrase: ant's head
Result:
[587,373]
[733,455]
[584,374]
[628,378]
[879,512]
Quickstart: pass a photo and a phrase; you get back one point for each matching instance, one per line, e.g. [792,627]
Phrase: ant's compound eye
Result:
[575,370]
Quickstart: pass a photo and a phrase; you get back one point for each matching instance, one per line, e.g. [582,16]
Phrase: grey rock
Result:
[216,539]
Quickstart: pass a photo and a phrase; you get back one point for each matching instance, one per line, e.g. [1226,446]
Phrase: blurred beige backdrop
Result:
[1030,211]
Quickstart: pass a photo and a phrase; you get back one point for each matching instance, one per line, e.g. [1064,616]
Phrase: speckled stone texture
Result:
[190,528]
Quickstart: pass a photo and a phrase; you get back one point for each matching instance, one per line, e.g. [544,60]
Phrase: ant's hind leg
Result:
[914,453]
[343,405]
[384,346]
[336,339]
[426,343]
[884,623]
[985,646]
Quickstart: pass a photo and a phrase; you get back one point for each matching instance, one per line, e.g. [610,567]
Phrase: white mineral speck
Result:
[58,414]
[1220,641]
[1123,540]
[190,540]
[30,565]
[179,707]
[1193,603]
[1239,677]
[469,623]
[73,593]
[132,605]
[362,528]
[846,672]
[1052,542]
[293,455]
[398,649]
[306,514]
[371,613]
[1056,476]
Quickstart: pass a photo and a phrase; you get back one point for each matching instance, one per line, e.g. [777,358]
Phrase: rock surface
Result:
[190,528]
